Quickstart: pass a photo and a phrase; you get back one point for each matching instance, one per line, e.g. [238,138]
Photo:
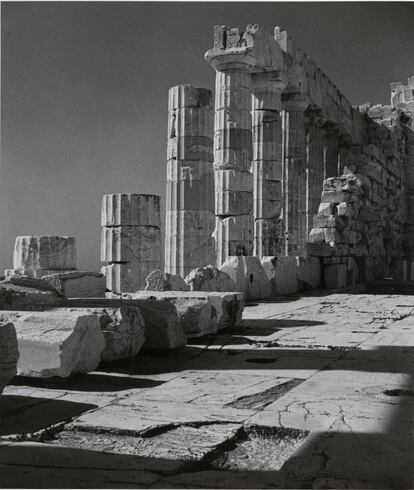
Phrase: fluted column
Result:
[294,174]
[232,156]
[190,180]
[314,164]
[267,163]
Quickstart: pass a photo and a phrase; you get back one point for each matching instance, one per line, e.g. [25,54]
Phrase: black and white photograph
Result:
[207,245]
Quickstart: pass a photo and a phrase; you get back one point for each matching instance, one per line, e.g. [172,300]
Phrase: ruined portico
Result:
[282,133]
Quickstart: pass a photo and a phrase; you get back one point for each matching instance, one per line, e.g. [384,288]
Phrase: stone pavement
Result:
[311,391]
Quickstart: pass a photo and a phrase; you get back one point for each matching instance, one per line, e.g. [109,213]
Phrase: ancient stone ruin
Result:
[303,180]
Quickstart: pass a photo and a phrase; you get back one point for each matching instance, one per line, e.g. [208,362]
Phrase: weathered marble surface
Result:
[130,210]
[282,273]
[56,343]
[158,280]
[123,329]
[19,297]
[44,252]
[209,278]
[9,353]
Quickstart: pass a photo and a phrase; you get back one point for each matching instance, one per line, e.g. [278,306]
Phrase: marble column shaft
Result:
[232,161]
[267,163]
[294,175]
[331,151]
[190,215]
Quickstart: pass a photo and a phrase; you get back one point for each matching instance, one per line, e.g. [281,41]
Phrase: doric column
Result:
[314,164]
[232,156]
[331,150]
[294,174]
[267,163]
[190,181]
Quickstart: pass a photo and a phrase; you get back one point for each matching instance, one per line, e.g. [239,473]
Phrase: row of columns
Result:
[271,154]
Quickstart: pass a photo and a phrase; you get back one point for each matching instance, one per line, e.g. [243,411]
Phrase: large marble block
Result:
[130,210]
[80,284]
[197,315]
[131,244]
[58,342]
[9,353]
[44,252]
[309,272]
[248,275]
[25,296]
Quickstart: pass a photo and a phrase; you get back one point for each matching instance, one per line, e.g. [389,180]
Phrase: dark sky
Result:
[85,86]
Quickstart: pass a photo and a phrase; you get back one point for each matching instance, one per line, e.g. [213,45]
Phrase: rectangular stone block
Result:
[233,180]
[128,277]
[131,244]
[78,284]
[336,197]
[9,353]
[233,203]
[188,96]
[191,121]
[191,194]
[44,252]
[190,148]
[189,223]
[59,342]
[188,169]
[130,209]
[320,249]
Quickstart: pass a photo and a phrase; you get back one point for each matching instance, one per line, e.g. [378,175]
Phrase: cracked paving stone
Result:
[183,443]
[133,416]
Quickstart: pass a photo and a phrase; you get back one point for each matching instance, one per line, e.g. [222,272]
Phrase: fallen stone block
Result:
[18,297]
[35,273]
[228,305]
[9,353]
[56,343]
[77,284]
[282,273]
[158,280]
[44,252]
[123,329]
[248,275]
[209,278]
[198,317]
[308,272]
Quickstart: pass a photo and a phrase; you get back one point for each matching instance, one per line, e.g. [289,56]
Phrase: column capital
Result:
[294,102]
[269,81]
[222,61]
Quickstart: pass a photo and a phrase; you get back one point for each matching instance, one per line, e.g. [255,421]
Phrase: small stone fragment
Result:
[159,280]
